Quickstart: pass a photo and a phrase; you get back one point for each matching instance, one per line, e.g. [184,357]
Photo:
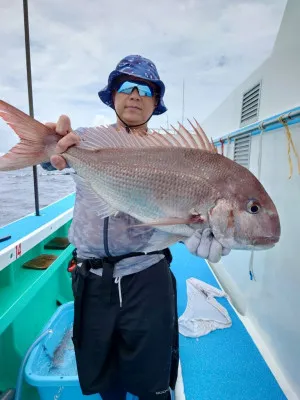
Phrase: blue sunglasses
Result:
[144,90]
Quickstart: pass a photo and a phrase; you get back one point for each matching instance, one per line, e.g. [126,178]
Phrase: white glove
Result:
[206,246]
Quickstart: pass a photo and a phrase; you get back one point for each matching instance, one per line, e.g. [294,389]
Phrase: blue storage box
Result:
[55,376]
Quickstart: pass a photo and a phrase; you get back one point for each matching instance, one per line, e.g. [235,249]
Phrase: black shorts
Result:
[134,346]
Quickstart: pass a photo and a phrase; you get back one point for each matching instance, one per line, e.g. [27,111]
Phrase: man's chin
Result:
[132,118]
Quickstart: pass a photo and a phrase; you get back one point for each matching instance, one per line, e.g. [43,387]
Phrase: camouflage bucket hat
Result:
[139,67]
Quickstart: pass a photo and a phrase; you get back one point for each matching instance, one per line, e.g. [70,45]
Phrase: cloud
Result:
[211,45]
[101,119]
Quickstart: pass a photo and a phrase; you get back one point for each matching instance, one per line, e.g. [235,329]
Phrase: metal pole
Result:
[182,102]
[286,117]
[273,121]
[30,97]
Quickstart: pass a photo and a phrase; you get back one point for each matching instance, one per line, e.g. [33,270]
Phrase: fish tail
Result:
[37,141]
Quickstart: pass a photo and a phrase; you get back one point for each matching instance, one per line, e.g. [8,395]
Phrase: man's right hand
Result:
[63,128]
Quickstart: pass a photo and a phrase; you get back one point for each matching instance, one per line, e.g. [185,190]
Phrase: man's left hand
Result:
[206,246]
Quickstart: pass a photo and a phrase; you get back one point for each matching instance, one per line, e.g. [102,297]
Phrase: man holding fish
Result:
[136,194]
[145,351]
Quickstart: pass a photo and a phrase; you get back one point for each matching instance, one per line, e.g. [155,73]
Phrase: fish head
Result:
[246,217]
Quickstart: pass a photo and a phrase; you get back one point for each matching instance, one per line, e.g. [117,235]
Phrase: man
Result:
[125,320]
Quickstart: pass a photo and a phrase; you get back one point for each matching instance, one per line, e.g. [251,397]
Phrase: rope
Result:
[222,146]
[290,143]
[251,262]
[261,127]
[251,270]
[228,146]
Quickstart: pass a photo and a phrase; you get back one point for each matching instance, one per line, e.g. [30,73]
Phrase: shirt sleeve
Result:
[48,166]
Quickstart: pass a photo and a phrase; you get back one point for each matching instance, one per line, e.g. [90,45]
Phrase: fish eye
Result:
[253,207]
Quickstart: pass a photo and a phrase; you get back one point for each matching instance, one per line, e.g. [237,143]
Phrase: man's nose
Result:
[135,94]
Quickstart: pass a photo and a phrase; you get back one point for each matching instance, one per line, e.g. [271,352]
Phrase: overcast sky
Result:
[212,44]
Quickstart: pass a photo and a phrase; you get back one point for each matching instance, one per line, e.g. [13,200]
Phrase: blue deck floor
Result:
[225,364]
[21,228]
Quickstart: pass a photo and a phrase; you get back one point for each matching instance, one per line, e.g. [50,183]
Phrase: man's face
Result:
[133,108]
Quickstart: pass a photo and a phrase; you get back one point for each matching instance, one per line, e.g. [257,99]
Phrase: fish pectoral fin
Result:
[94,201]
[174,221]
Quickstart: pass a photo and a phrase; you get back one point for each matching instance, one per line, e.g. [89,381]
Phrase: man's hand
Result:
[63,128]
[206,246]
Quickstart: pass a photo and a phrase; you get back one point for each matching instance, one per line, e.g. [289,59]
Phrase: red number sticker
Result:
[18,250]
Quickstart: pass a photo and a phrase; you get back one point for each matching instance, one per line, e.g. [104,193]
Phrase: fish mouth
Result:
[259,243]
[266,240]
[261,246]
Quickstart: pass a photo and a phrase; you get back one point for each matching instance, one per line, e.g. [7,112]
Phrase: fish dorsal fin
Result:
[110,137]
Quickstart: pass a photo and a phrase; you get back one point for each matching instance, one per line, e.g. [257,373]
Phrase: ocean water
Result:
[17,191]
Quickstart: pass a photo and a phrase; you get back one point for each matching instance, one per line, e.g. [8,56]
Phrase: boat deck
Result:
[225,364]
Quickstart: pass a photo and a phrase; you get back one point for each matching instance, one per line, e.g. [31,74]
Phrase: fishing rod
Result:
[30,97]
